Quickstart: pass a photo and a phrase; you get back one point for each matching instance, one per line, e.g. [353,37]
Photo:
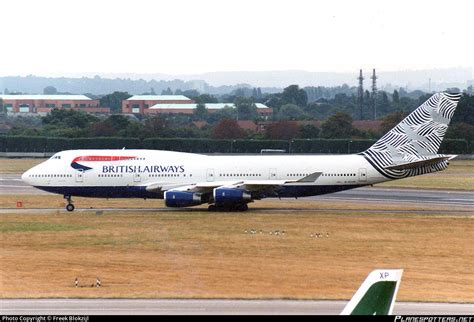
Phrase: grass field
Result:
[8,165]
[197,254]
[208,255]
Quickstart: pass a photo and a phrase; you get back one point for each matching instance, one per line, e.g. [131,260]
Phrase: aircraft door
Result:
[272,174]
[80,175]
[210,175]
[137,177]
[362,175]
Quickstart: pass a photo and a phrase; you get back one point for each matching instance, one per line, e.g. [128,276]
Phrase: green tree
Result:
[254,93]
[191,93]
[134,130]
[338,126]
[114,101]
[200,112]
[117,122]
[294,95]
[291,112]
[156,127]
[309,131]
[465,110]
[167,91]
[205,98]
[101,129]
[391,120]
[222,114]
[69,119]
[50,90]
[461,131]
[395,97]
[246,109]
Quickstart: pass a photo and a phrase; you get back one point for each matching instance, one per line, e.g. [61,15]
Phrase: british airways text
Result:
[142,169]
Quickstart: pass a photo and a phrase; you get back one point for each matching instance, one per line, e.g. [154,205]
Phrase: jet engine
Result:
[182,199]
[231,196]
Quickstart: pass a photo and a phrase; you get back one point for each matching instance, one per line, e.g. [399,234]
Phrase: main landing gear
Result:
[241,207]
[69,207]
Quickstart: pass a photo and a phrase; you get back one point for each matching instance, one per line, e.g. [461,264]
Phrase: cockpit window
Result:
[56,157]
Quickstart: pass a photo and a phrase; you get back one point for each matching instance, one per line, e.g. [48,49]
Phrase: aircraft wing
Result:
[248,185]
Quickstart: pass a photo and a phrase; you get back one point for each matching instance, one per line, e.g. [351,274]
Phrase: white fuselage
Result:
[150,167]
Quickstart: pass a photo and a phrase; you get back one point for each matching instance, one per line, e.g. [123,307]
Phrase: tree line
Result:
[293,117]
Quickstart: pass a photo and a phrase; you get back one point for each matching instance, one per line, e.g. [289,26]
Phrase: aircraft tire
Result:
[70,207]
[243,207]
[212,208]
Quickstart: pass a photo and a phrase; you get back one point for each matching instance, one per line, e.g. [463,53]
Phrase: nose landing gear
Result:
[69,206]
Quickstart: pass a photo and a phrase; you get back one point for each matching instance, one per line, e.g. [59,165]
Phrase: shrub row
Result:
[46,144]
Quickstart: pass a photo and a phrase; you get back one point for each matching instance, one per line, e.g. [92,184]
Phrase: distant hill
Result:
[225,82]
[414,79]
[97,85]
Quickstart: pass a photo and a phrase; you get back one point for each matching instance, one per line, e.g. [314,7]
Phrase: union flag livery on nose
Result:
[95,158]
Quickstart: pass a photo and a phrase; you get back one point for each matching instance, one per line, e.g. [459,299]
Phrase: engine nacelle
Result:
[229,196]
[182,199]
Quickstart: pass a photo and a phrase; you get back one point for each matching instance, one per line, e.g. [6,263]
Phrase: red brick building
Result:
[139,104]
[45,103]
[174,104]
[262,109]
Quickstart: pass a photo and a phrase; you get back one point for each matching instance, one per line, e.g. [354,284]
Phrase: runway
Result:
[209,307]
[439,197]
[11,184]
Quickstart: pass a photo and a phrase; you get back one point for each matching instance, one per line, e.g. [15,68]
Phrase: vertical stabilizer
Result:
[416,138]
[376,296]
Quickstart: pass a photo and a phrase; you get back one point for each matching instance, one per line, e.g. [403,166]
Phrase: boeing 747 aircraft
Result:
[231,182]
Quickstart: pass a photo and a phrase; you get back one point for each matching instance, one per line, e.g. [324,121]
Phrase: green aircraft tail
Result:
[376,296]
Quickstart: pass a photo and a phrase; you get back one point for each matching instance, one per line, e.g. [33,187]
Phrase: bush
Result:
[343,146]
[337,146]
[188,145]
[24,144]
[104,143]
[256,146]
[450,146]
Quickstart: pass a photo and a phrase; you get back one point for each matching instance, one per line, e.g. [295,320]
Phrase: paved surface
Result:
[11,184]
[446,197]
[278,307]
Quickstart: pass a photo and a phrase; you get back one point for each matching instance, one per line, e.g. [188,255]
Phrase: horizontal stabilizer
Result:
[421,163]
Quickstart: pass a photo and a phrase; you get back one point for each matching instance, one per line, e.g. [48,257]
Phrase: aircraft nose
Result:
[25,176]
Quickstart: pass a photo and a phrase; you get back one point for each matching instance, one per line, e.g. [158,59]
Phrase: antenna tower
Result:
[360,94]
[374,93]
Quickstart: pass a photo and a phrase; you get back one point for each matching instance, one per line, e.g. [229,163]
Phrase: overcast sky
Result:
[186,37]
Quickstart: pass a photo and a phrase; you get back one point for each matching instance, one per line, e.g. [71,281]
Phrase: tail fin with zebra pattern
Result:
[411,147]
